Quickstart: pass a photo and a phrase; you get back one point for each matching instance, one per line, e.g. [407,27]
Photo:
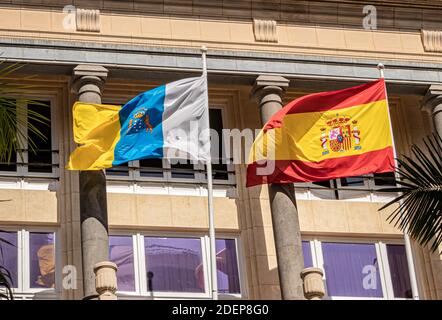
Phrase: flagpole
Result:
[213,267]
[408,251]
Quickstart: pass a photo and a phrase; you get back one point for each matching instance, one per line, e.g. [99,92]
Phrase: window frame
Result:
[22,169]
[23,291]
[141,290]
[381,255]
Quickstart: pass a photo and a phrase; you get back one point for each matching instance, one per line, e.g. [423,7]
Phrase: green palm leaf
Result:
[16,123]
[420,200]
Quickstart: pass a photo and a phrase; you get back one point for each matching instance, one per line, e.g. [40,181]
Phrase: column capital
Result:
[433,98]
[268,84]
[85,74]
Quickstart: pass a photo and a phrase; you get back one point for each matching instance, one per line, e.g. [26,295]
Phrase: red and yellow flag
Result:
[324,136]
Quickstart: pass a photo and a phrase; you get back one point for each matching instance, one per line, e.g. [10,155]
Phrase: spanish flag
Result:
[324,136]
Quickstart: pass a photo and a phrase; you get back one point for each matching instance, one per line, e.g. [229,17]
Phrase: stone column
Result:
[433,104]
[106,280]
[268,91]
[88,82]
[314,288]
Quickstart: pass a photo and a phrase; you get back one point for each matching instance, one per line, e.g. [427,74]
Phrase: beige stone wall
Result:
[175,213]
[28,207]
[219,34]
[345,218]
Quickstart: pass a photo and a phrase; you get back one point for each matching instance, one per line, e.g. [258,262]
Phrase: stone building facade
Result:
[157,212]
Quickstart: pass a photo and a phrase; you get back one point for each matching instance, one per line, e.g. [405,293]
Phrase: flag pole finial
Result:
[381,69]
[203,49]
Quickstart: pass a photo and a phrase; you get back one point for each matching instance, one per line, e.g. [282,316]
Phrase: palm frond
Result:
[5,275]
[5,282]
[420,200]
[17,124]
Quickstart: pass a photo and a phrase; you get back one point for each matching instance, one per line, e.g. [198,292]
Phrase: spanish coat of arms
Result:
[340,134]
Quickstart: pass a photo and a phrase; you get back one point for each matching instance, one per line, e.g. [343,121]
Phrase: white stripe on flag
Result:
[185,131]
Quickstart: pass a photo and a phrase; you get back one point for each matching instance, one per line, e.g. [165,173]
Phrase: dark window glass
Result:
[351,269]
[326,183]
[184,169]
[227,266]
[40,159]
[122,254]
[397,260]
[11,165]
[307,253]
[121,170]
[151,168]
[352,181]
[174,264]
[42,260]
[8,255]
[219,167]
[384,179]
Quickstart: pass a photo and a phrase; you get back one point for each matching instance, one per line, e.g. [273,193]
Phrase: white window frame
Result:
[141,290]
[381,255]
[23,291]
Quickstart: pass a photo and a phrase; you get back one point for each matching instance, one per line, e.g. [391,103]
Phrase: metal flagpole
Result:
[213,267]
[409,252]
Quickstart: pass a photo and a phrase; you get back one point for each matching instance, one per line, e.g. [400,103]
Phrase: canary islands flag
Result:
[170,121]
[325,136]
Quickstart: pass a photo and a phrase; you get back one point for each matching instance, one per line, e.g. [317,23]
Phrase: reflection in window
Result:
[351,270]
[122,254]
[400,277]
[8,255]
[227,265]
[352,182]
[307,253]
[42,260]
[174,264]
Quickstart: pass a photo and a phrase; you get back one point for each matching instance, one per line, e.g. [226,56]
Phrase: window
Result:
[365,270]
[9,255]
[180,170]
[307,253]
[227,265]
[397,261]
[41,260]
[121,170]
[151,168]
[39,159]
[173,266]
[30,260]
[358,188]
[384,179]
[352,182]
[122,254]
[347,266]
